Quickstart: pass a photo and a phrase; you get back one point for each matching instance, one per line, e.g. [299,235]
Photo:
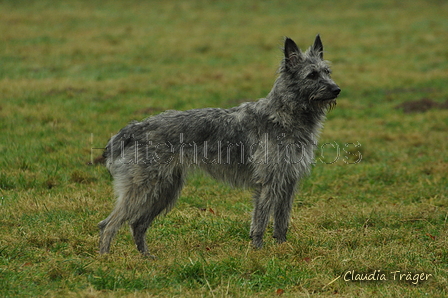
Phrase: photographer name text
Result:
[377,275]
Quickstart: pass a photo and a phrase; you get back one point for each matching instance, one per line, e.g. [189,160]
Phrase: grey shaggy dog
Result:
[267,145]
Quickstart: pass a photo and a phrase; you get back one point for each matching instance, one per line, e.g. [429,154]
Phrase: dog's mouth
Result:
[334,95]
[330,102]
[325,98]
[326,94]
[333,98]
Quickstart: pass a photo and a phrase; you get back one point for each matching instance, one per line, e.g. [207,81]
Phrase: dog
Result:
[267,145]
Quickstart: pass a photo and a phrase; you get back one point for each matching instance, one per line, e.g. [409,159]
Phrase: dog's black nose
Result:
[336,90]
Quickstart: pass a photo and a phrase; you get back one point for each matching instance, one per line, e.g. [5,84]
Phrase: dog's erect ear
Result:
[318,48]
[293,54]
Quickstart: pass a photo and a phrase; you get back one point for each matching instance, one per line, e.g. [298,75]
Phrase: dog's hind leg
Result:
[167,194]
[109,226]
[131,198]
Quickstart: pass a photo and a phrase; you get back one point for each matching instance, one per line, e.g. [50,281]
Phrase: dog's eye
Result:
[313,75]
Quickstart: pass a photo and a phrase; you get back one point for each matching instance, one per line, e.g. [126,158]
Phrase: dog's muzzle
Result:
[335,91]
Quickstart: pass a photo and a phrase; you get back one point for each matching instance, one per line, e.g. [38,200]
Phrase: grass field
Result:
[74,72]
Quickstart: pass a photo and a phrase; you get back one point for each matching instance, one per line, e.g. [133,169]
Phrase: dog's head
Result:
[308,75]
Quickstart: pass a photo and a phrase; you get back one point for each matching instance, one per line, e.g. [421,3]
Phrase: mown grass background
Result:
[74,72]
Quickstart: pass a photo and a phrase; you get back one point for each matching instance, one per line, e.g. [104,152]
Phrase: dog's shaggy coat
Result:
[267,145]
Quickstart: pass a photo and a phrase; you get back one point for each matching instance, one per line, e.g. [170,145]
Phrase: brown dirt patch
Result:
[421,105]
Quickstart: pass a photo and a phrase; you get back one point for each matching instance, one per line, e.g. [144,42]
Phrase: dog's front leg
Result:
[282,212]
[263,203]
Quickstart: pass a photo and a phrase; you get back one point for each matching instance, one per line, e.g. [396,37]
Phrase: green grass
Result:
[73,73]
